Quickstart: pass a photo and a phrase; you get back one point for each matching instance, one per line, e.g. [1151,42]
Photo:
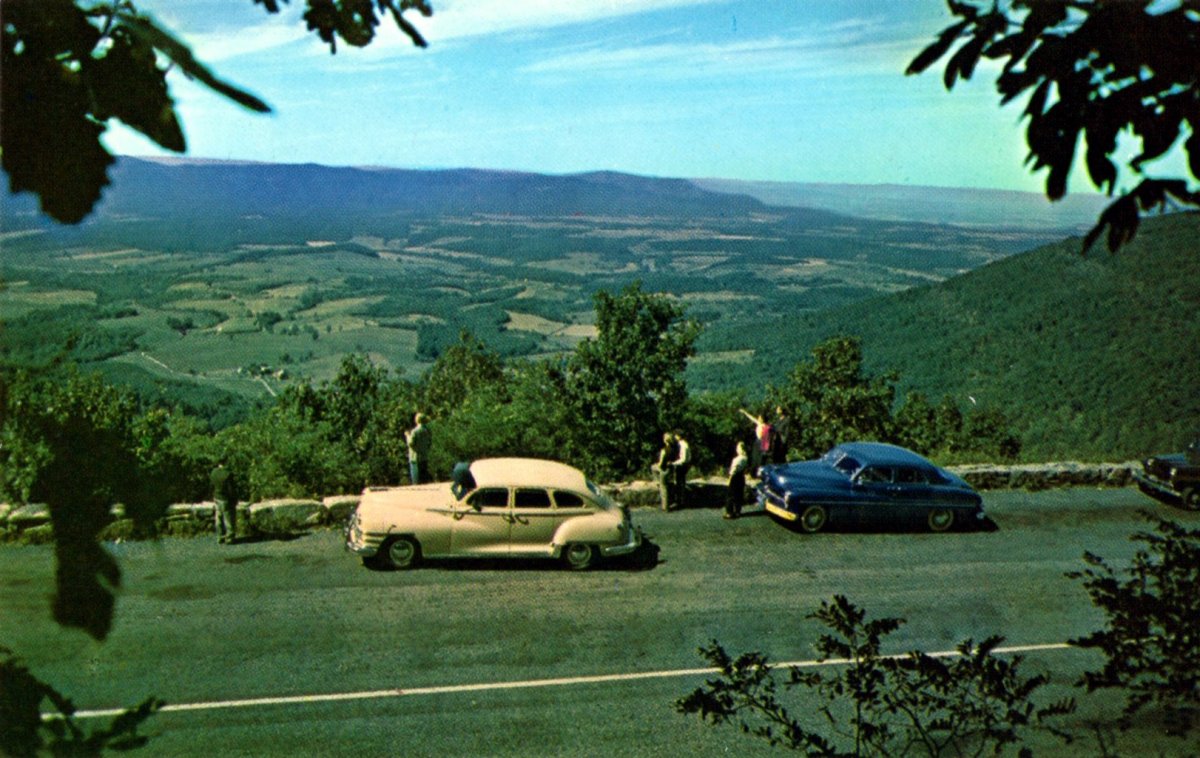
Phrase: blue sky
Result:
[779,90]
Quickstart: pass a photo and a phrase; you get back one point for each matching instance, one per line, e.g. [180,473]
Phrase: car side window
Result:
[488,497]
[568,500]
[875,475]
[531,498]
[912,476]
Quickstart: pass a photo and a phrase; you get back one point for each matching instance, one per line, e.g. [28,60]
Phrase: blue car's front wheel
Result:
[813,518]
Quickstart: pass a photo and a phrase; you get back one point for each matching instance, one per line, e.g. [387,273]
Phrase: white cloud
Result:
[851,46]
[468,18]
[220,46]
[220,31]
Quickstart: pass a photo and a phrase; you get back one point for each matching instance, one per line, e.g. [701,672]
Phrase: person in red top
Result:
[760,452]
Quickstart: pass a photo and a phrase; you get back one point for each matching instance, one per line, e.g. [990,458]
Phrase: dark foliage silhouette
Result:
[70,66]
[973,703]
[1093,70]
[1150,640]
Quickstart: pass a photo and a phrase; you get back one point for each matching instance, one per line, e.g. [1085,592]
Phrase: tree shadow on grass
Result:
[258,537]
[707,496]
[883,527]
[645,558]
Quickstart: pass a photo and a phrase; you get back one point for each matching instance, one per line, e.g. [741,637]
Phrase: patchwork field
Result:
[247,308]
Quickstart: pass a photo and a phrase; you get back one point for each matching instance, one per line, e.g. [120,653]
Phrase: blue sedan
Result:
[861,483]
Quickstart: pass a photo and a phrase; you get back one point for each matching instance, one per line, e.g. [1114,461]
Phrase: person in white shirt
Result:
[681,464]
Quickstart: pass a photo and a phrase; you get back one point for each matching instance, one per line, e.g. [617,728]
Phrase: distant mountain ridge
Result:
[203,188]
[233,189]
[935,205]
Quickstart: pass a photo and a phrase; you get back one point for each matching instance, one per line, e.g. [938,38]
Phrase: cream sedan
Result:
[519,507]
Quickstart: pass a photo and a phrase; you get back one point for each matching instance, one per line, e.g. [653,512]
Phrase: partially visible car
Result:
[1173,477]
[859,484]
[518,507]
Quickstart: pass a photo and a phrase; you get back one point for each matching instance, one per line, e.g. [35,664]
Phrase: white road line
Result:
[513,685]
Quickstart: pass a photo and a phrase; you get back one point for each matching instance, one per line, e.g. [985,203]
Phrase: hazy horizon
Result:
[730,89]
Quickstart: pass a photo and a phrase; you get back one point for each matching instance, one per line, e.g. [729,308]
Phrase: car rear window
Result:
[568,499]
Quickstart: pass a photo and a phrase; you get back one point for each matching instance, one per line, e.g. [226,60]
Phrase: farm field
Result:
[205,300]
[203,625]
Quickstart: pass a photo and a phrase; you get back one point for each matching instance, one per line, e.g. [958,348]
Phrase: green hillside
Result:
[1095,356]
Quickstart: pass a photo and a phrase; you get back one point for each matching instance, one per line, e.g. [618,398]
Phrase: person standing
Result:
[737,482]
[760,451]
[462,480]
[681,465]
[419,440]
[225,504]
[662,470]
[781,432]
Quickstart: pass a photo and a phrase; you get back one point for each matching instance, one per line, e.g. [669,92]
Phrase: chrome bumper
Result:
[773,504]
[633,543]
[356,539]
[1145,480]
[782,513]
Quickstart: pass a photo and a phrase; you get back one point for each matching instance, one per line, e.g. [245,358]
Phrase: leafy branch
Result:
[26,732]
[1150,641]
[1091,70]
[71,66]
[970,704]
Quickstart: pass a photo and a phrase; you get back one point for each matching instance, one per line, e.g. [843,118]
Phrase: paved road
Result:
[198,624]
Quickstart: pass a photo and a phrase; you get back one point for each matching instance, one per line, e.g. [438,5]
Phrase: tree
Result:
[874,704]
[524,415]
[626,386]
[70,66]
[1096,70]
[1150,640]
[460,370]
[832,400]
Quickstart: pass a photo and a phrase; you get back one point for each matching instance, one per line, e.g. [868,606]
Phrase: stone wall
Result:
[1040,476]
[986,476]
[31,523]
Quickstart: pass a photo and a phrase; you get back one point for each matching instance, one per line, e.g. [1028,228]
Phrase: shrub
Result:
[1151,638]
[972,703]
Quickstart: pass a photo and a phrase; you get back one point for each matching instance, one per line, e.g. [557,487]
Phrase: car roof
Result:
[883,454]
[527,472]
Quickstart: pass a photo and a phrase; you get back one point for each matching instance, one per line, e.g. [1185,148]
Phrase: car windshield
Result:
[845,463]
